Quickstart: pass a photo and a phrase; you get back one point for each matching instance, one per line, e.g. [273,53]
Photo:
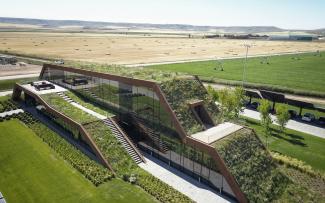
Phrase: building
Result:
[293,37]
[175,121]
[4,60]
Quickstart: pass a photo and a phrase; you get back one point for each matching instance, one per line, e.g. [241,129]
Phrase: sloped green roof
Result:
[252,166]
[179,92]
[134,72]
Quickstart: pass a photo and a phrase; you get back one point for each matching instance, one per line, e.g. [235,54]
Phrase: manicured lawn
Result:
[305,74]
[307,148]
[32,172]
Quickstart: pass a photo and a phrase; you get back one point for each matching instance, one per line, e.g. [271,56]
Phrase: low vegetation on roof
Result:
[179,92]
[111,148]
[134,72]
[252,166]
[59,104]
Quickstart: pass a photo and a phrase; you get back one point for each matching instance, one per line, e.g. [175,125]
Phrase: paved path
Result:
[97,115]
[6,113]
[183,183]
[5,93]
[10,77]
[292,124]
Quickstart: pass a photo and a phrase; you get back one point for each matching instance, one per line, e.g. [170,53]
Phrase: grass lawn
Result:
[304,147]
[32,172]
[306,74]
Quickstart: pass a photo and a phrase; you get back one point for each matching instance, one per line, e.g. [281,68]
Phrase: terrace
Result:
[53,88]
[216,133]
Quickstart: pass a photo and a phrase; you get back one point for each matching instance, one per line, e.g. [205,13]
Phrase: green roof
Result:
[134,72]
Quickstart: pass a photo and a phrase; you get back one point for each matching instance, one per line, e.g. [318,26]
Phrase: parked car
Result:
[321,120]
[59,62]
[308,117]
[255,105]
[293,113]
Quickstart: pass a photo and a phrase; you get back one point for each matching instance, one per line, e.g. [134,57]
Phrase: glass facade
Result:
[141,104]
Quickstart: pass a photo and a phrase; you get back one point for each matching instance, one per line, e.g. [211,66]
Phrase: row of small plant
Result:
[158,189]
[7,105]
[93,171]
[296,164]
[253,168]
[24,117]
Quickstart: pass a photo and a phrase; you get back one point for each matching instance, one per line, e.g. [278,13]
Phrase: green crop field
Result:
[30,171]
[305,73]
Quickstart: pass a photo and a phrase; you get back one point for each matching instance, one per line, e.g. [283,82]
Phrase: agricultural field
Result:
[135,49]
[304,72]
[20,183]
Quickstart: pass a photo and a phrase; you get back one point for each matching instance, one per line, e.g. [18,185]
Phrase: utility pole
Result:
[245,63]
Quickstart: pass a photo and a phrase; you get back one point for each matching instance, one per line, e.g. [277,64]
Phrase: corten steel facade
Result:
[143,104]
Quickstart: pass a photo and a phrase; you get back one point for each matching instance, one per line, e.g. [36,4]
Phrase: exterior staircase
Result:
[65,97]
[127,144]
[90,93]
[117,132]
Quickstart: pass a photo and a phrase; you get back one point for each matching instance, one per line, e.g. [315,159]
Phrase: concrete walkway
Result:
[9,113]
[5,93]
[91,112]
[292,124]
[183,183]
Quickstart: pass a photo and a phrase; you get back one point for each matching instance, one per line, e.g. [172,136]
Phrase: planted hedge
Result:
[252,166]
[179,92]
[159,189]
[7,105]
[93,171]
[111,148]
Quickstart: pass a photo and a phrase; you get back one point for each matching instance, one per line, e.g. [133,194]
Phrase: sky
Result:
[287,14]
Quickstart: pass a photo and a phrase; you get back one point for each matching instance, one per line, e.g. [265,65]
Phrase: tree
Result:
[232,102]
[282,116]
[239,100]
[266,120]
[213,93]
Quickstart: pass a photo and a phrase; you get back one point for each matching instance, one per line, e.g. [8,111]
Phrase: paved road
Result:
[183,183]
[10,77]
[292,124]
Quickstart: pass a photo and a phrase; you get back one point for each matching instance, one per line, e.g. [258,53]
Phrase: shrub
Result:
[93,171]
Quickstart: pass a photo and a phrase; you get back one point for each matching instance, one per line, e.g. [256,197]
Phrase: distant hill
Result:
[111,25]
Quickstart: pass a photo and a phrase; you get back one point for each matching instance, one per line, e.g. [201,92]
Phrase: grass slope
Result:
[304,74]
[32,172]
[304,147]
[252,166]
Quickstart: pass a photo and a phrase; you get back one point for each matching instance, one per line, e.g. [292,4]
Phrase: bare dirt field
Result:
[9,70]
[135,49]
